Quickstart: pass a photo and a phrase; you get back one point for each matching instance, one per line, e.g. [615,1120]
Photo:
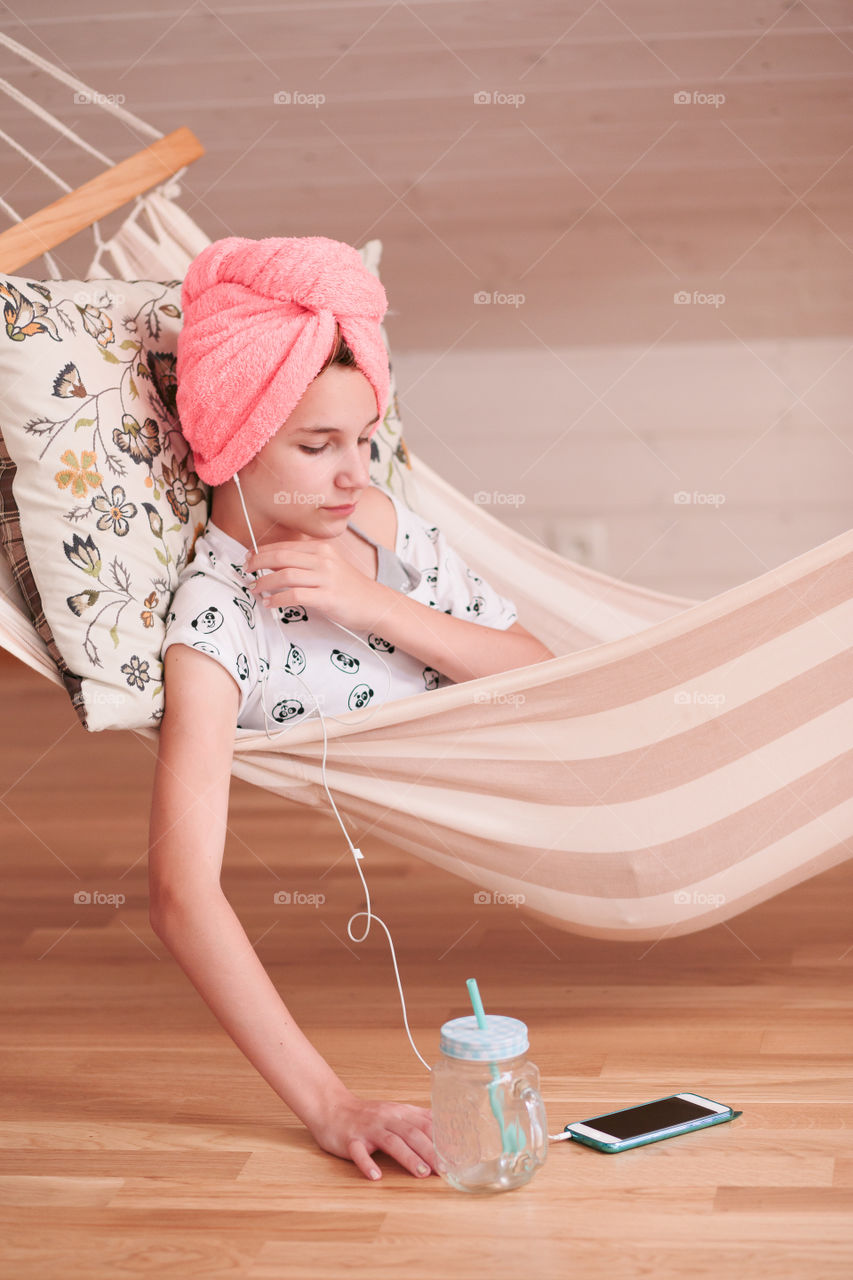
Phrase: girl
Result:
[280,428]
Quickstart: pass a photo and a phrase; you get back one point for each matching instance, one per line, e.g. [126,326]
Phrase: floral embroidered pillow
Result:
[100,505]
[107,500]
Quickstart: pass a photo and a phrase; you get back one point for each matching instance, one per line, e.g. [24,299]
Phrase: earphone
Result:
[356,853]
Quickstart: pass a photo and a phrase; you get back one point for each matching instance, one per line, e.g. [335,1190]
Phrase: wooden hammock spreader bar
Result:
[97,198]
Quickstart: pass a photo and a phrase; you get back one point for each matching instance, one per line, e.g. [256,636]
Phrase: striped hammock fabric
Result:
[678,765]
[679,762]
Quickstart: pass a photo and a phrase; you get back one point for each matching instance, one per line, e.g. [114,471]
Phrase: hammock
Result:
[679,762]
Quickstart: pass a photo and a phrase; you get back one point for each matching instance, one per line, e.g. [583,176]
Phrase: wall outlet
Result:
[582,540]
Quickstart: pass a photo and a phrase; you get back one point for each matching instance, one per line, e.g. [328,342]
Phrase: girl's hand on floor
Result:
[314,574]
[354,1128]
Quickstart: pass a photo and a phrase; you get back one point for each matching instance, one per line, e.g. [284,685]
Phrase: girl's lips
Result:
[341,510]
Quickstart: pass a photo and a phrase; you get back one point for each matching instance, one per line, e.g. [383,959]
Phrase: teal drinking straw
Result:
[509,1136]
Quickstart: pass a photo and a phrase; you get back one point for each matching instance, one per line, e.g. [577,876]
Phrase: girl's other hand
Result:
[354,1128]
[314,574]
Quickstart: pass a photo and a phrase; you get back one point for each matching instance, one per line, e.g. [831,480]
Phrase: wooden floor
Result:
[136,1139]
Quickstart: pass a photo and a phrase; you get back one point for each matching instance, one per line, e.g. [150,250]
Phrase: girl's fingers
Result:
[362,1161]
[273,553]
[422,1119]
[422,1143]
[407,1153]
[407,1139]
[417,1130]
[271,582]
[425,1121]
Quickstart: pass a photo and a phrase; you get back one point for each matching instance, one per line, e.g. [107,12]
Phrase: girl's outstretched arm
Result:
[191,915]
[460,649]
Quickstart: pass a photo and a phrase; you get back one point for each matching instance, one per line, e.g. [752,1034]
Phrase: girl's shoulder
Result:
[376,515]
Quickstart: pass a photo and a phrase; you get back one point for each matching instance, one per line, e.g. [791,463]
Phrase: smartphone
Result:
[650,1122]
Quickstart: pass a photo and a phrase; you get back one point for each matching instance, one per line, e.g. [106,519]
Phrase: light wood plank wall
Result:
[597,199]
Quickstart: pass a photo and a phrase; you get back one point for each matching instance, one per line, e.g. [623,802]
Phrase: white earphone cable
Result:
[358,856]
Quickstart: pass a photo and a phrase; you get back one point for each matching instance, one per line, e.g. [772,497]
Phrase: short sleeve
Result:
[214,618]
[463,593]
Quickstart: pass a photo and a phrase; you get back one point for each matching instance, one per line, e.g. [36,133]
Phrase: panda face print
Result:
[247,611]
[239,570]
[431,678]
[359,697]
[205,647]
[210,620]
[293,613]
[264,667]
[432,532]
[413,577]
[431,575]
[476,606]
[344,661]
[295,661]
[211,557]
[287,709]
[242,666]
[376,642]
[474,578]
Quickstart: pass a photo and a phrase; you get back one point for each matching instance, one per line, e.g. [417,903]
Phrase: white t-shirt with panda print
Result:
[290,648]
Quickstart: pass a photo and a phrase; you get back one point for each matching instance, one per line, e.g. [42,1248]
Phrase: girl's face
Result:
[319,458]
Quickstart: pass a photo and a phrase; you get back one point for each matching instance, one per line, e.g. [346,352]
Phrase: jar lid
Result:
[500,1038]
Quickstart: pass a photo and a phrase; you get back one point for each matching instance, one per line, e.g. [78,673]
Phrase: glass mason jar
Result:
[488,1118]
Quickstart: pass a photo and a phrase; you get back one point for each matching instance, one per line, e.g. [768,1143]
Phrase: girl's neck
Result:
[226,512]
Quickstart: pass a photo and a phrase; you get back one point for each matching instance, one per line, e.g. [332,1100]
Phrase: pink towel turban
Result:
[259,324]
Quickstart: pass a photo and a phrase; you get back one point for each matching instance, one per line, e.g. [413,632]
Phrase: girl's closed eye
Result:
[306,448]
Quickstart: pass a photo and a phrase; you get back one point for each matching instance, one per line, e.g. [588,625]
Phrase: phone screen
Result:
[650,1117]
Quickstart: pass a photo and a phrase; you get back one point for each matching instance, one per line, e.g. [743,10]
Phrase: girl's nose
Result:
[355,473]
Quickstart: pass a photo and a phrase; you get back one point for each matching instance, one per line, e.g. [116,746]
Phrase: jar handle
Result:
[535,1110]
